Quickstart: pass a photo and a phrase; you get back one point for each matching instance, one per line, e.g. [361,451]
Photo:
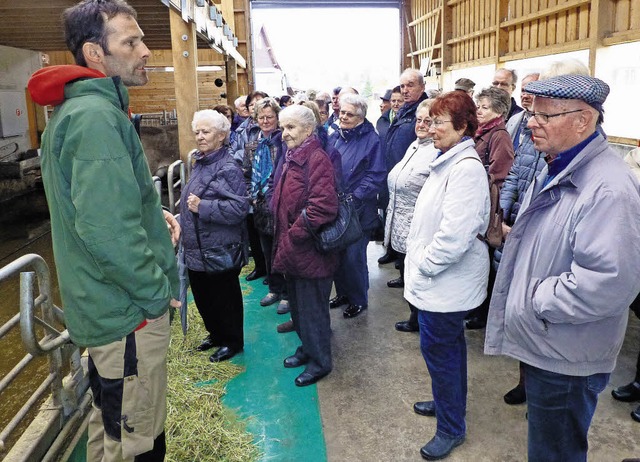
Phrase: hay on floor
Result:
[198,426]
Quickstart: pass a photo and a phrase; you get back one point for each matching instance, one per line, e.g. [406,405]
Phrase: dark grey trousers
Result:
[309,302]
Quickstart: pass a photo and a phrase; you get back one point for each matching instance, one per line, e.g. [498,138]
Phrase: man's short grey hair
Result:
[356,101]
[299,114]
[498,98]
[511,72]
[212,119]
[413,73]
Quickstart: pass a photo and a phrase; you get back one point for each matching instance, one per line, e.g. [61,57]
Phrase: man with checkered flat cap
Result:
[568,271]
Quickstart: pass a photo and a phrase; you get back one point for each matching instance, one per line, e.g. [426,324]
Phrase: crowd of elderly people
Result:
[545,295]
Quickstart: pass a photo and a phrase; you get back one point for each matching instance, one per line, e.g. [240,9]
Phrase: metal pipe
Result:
[25,409]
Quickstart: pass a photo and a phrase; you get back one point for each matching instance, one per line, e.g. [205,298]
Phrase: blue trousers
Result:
[560,408]
[352,276]
[444,349]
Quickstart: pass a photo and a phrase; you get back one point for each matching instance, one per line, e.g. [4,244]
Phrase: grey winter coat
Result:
[569,268]
[217,179]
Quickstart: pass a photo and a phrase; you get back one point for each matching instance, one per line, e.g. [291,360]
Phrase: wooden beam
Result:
[232,81]
[185,62]
[621,37]
[544,51]
[472,35]
[228,14]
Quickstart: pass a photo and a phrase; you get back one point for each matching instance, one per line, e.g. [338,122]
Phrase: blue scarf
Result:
[262,168]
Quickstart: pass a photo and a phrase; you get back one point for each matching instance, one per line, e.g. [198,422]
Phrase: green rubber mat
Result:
[284,419]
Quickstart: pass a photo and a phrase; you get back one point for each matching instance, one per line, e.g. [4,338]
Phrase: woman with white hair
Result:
[213,209]
[305,181]
[363,174]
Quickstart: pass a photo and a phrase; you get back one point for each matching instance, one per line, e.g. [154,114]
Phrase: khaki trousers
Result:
[129,384]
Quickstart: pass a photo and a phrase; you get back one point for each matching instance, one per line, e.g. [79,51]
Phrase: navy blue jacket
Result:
[402,132]
[219,183]
[363,168]
[526,166]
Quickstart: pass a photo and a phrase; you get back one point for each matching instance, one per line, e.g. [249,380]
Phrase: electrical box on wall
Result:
[13,114]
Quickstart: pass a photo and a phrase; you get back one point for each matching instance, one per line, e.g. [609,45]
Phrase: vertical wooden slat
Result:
[634,15]
[515,39]
[551,25]
[622,15]
[542,27]
[583,22]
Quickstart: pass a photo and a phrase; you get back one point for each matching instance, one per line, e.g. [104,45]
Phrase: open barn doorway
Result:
[304,48]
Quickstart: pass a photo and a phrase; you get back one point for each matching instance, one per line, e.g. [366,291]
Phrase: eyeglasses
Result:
[438,123]
[543,119]
[346,114]
[266,118]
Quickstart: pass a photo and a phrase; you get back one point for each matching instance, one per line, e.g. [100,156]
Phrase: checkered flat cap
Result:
[571,86]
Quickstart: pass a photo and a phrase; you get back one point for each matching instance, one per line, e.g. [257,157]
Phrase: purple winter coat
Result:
[219,183]
[293,245]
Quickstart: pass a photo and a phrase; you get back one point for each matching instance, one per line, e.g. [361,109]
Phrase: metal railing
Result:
[37,321]
[174,184]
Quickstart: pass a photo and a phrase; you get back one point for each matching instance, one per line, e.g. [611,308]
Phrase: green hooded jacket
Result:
[115,261]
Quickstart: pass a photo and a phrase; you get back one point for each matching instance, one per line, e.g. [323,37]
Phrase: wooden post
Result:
[601,25]
[231,69]
[185,63]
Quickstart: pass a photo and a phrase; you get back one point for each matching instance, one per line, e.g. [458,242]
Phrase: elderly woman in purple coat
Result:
[213,209]
[307,182]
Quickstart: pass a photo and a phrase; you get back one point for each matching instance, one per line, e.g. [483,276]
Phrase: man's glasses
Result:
[543,119]
[266,118]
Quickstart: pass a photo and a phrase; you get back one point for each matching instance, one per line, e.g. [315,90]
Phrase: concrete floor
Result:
[366,402]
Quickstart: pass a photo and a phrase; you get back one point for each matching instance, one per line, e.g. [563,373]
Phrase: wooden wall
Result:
[463,33]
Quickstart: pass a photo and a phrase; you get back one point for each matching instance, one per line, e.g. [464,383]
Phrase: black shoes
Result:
[517,395]
[269,299]
[307,378]
[396,283]
[223,353]
[294,361]
[353,310]
[426,408]
[474,323]
[285,327]
[338,301]
[207,344]
[635,415]
[388,257]
[255,274]
[440,447]
[407,326]
[627,393]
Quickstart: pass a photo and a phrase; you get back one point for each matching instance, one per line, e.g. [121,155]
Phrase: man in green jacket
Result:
[114,257]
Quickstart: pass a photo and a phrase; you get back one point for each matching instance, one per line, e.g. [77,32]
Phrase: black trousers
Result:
[256,248]
[219,301]
[309,302]
[413,315]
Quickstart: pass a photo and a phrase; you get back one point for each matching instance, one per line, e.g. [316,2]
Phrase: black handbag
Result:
[222,258]
[262,216]
[342,232]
